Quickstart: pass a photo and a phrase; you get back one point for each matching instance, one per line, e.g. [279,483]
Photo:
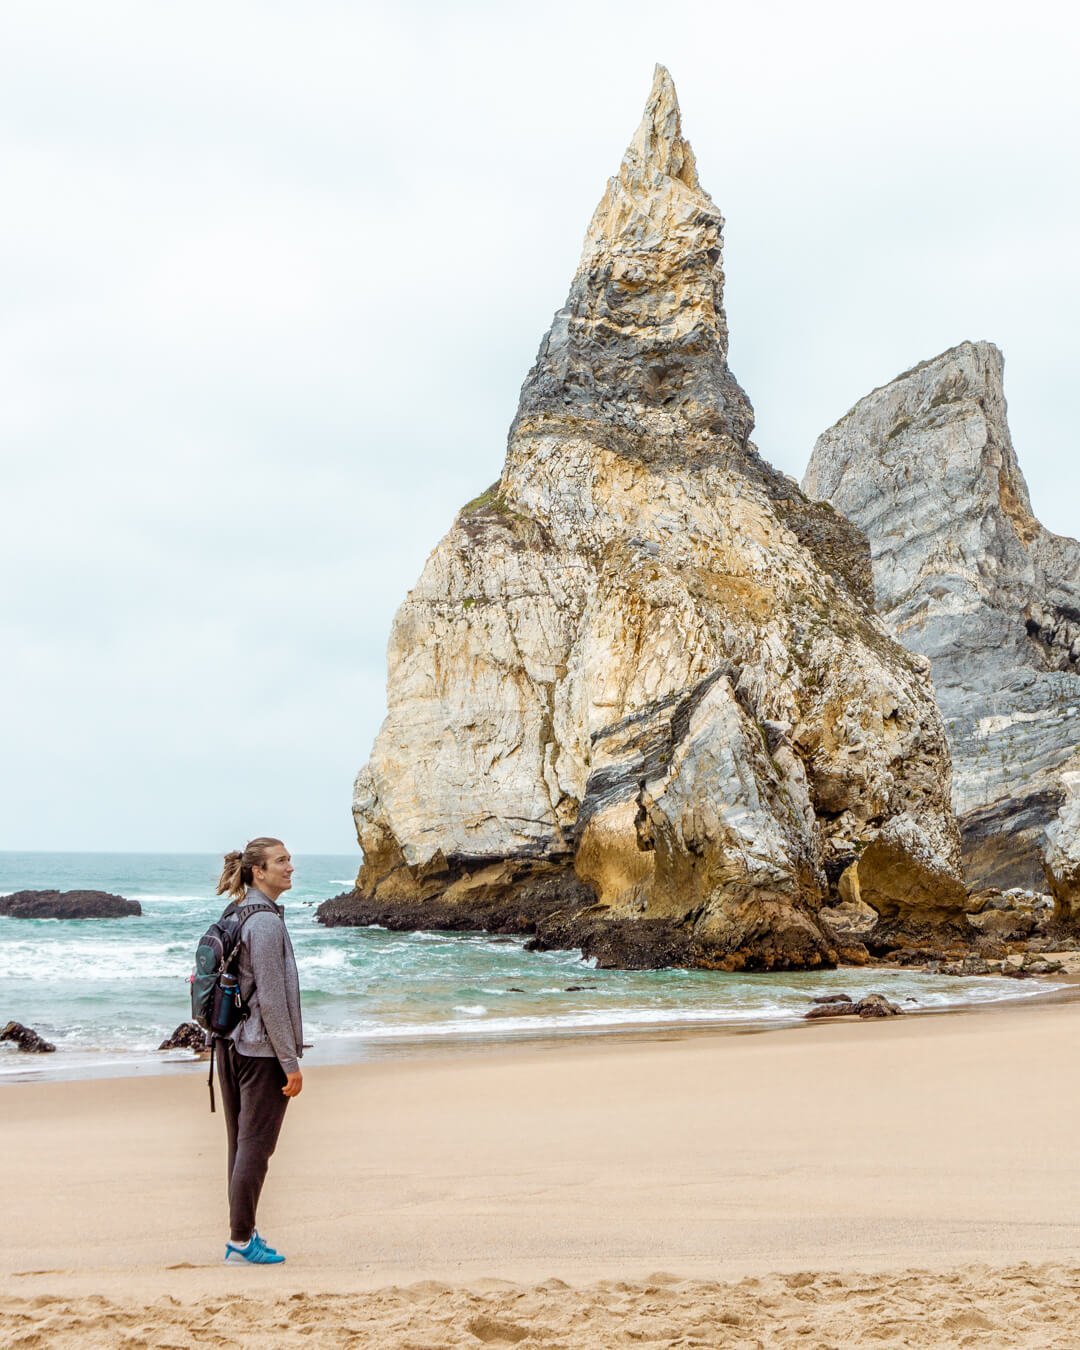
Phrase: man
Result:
[258,1065]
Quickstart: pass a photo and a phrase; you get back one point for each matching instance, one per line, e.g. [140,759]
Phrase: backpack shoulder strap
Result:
[259,908]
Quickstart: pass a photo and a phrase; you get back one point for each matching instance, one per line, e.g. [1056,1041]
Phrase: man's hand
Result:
[294,1084]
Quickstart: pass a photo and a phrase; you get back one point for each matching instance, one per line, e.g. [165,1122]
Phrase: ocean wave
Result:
[333,958]
[89,1045]
[154,897]
[580,1020]
[599,1019]
[79,1061]
[77,961]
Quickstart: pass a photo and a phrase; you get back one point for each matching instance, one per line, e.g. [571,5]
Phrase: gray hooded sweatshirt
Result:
[270,987]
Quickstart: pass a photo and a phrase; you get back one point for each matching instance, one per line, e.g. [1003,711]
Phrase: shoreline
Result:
[345,1050]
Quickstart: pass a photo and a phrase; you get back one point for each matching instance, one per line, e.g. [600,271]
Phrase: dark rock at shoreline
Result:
[1054,936]
[908,943]
[514,904]
[877,1005]
[615,944]
[187,1036]
[1006,925]
[560,911]
[67,905]
[1031,965]
[829,1010]
[832,998]
[26,1039]
[872,1005]
[970,965]
[618,943]
[1041,967]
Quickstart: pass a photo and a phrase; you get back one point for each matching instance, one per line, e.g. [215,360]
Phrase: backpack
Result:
[215,989]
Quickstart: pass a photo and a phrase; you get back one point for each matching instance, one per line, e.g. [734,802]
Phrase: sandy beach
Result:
[910,1182]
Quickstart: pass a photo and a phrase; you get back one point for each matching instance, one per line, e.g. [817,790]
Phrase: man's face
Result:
[275,875]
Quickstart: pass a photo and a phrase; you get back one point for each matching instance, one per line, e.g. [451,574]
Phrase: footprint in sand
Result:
[969,1321]
[493,1332]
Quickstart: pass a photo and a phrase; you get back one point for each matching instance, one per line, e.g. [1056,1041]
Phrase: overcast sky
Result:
[272,275]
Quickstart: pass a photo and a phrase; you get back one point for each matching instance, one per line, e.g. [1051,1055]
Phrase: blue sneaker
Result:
[255,1253]
[264,1242]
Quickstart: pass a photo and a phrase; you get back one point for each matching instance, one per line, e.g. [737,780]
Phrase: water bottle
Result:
[228,1007]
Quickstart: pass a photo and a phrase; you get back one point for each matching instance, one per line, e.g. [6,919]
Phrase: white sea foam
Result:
[333,958]
[86,960]
[88,1062]
[583,1019]
[154,897]
[600,1019]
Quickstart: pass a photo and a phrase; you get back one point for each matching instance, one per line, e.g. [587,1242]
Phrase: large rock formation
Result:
[965,575]
[642,668]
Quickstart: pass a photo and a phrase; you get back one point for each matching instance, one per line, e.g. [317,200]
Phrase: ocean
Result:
[106,992]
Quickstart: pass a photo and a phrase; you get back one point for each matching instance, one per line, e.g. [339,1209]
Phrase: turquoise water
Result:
[107,991]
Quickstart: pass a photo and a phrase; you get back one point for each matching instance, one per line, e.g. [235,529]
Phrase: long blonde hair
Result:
[236,875]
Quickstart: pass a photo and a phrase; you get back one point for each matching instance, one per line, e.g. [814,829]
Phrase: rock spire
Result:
[642,338]
[638,700]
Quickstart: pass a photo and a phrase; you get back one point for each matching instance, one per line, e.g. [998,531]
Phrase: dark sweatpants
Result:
[254,1109]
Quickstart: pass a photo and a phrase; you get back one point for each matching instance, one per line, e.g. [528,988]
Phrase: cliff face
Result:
[965,575]
[642,668]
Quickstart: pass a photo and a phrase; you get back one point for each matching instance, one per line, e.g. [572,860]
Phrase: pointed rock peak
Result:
[966,370]
[980,360]
[948,416]
[658,147]
[642,339]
